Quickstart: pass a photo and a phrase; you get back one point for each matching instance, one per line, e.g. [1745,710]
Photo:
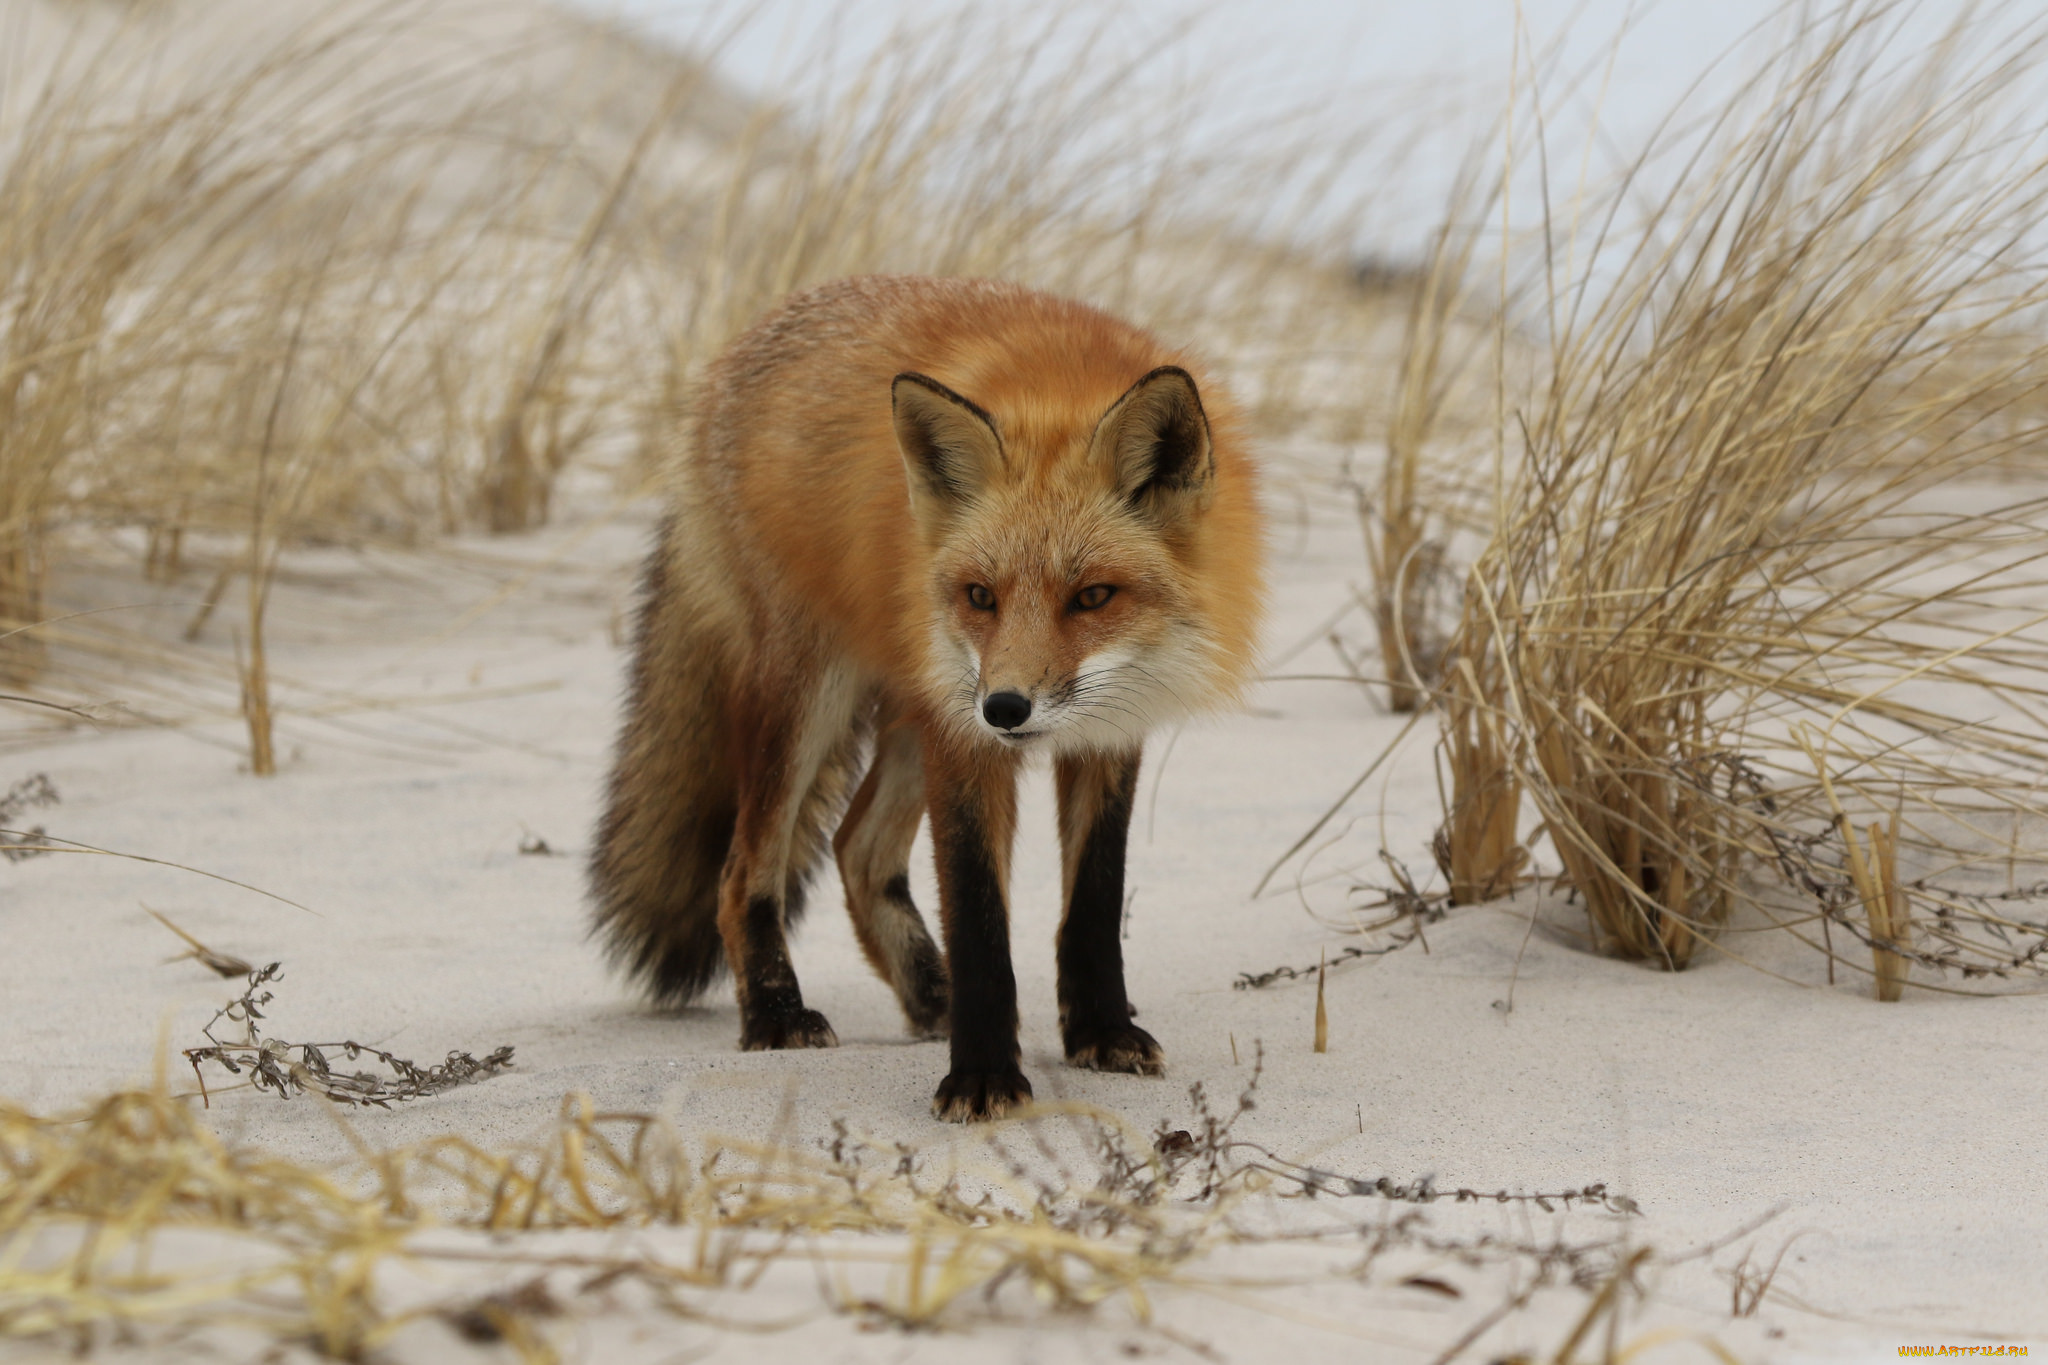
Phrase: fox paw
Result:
[972,1096]
[778,1029]
[930,1028]
[1118,1047]
[927,1006]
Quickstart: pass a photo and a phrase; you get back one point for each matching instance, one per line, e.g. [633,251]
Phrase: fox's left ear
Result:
[1155,442]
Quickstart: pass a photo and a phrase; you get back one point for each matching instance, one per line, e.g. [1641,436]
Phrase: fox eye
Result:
[980,598]
[1089,598]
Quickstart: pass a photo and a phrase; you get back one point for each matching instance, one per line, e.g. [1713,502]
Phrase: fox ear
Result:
[1155,442]
[951,452]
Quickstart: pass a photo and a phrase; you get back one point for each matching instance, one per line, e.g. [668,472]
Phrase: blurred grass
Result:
[93,1206]
[133,1219]
[277,276]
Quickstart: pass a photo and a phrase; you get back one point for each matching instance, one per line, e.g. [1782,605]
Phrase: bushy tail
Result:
[670,806]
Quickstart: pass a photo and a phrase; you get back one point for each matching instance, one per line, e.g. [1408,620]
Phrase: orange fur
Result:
[904,497]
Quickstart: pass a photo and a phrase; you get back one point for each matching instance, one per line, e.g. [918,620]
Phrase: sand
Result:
[1888,1151]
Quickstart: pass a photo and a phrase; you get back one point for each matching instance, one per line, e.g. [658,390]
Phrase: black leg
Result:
[772,1013]
[1095,1014]
[972,840]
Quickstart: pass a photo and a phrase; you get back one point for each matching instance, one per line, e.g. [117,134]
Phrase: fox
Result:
[923,533]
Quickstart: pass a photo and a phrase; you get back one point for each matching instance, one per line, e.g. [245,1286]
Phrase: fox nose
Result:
[1006,710]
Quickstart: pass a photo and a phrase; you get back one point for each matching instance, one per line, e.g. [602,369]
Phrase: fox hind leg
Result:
[1095,796]
[873,851]
[781,753]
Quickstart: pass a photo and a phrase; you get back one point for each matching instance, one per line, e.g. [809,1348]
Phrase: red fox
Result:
[941,525]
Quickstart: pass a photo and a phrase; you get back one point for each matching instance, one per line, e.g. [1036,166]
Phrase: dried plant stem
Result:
[262,562]
[1322,1041]
[1398,588]
[1873,871]
[1889,912]
[208,604]
[163,555]
[22,651]
[255,677]
[1405,562]
[1478,848]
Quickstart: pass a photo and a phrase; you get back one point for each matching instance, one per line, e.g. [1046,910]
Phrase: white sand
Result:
[430,721]
[1899,1144]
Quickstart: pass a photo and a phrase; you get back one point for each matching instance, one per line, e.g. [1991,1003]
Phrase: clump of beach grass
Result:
[1757,596]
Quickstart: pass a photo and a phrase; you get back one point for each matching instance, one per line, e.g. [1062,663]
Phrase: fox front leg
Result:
[1095,796]
[973,810]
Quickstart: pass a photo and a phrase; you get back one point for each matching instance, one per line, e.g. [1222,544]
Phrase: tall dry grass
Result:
[262,293]
[378,273]
[1758,596]
[982,144]
[1405,559]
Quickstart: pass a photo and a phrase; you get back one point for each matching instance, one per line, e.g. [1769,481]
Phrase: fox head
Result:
[1066,611]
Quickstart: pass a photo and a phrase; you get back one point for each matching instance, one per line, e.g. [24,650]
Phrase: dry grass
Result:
[977,145]
[1422,495]
[1406,563]
[1478,847]
[1751,584]
[295,1250]
[375,273]
[264,294]
[135,1213]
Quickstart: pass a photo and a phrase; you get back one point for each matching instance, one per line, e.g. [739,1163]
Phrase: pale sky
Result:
[1290,47]
[1265,57]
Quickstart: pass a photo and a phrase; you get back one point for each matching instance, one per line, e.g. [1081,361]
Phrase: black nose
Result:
[1006,710]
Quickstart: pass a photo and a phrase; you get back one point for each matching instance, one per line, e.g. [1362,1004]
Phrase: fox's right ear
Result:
[951,453]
